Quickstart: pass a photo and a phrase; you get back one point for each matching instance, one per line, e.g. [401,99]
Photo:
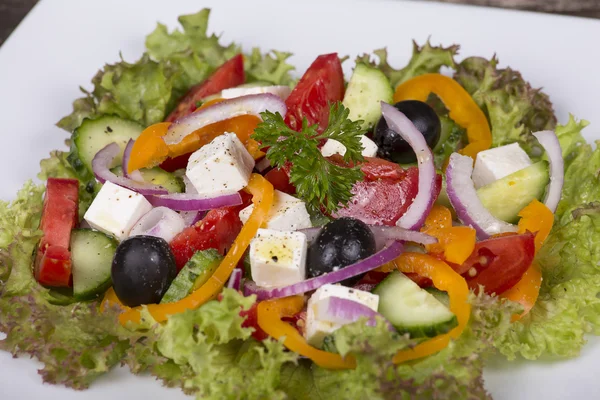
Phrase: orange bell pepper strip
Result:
[536,218]
[150,149]
[446,279]
[262,196]
[456,242]
[463,109]
[269,319]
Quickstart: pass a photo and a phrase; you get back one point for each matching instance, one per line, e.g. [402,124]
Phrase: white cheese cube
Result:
[221,167]
[115,210]
[332,147]
[494,164]
[287,213]
[279,90]
[278,258]
[318,324]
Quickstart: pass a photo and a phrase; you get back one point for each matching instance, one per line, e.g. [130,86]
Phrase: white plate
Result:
[61,44]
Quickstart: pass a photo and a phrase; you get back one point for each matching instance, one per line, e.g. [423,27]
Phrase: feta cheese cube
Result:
[115,210]
[318,324]
[278,258]
[279,90]
[287,213]
[221,167]
[332,147]
[496,163]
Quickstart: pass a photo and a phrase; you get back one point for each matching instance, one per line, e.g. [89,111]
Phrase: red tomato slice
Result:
[280,179]
[173,164]
[321,84]
[251,321]
[370,280]
[498,263]
[59,217]
[226,76]
[217,230]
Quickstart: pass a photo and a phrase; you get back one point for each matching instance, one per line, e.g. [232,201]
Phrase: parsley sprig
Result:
[318,181]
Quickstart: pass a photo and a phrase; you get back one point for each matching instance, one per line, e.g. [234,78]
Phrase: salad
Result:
[240,233]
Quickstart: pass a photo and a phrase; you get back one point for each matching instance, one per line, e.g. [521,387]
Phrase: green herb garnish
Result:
[318,181]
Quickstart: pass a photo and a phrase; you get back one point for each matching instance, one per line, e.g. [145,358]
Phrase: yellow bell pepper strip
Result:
[456,242]
[446,279]
[536,218]
[262,196]
[463,109]
[149,149]
[526,291]
[270,313]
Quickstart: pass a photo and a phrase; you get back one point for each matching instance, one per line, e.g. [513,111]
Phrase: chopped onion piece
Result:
[101,164]
[343,311]
[194,202]
[385,234]
[386,255]
[463,197]
[161,222]
[252,104]
[191,217]
[550,143]
[415,216]
[235,279]
[135,175]
[263,164]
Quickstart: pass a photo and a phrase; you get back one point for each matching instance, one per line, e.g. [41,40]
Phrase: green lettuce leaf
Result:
[514,109]
[75,343]
[425,59]
[148,89]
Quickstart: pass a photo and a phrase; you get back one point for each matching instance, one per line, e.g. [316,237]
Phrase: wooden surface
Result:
[13,11]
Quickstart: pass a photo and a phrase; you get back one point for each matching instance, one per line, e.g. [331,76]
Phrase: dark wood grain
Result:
[13,11]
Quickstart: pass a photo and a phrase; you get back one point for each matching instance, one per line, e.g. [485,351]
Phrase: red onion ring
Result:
[463,197]
[135,175]
[343,311]
[194,202]
[161,222]
[191,217]
[385,234]
[415,216]
[235,279]
[100,165]
[550,143]
[252,104]
[383,256]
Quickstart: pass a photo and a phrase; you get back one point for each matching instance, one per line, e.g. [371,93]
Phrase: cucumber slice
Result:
[92,254]
[193,275]
[507,196]
[368,86]
[158,176]
[411,309]
[440,295]
[94,134]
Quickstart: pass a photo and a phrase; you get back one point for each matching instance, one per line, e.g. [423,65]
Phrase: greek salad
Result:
[240,233]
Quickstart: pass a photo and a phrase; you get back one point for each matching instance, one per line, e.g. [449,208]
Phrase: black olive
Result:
[391,145]
[340,243]
[142,270]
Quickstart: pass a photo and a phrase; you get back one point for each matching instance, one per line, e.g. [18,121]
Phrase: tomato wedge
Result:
[280,179]
[217,230]
[59,217]
[226,76]
[498,263]
[321,84]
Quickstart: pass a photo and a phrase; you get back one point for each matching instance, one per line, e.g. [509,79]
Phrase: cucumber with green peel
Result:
[194,274]
[367,88]
[506,197]
[158,176]
[94,134]
[411,309]
[92,254]
[440,295]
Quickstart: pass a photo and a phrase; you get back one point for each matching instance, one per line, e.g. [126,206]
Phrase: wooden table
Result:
[13,11]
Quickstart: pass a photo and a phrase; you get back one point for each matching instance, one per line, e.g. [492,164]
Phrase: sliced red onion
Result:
[386,255]
[252,104]
[194,202]
[161,222]
[385,234]
[463,197]
[135,175]
[343,311]
[235,279]
[191,217]
[311,233]
[415,216]
[550,143]
[101,163]
[263,164]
